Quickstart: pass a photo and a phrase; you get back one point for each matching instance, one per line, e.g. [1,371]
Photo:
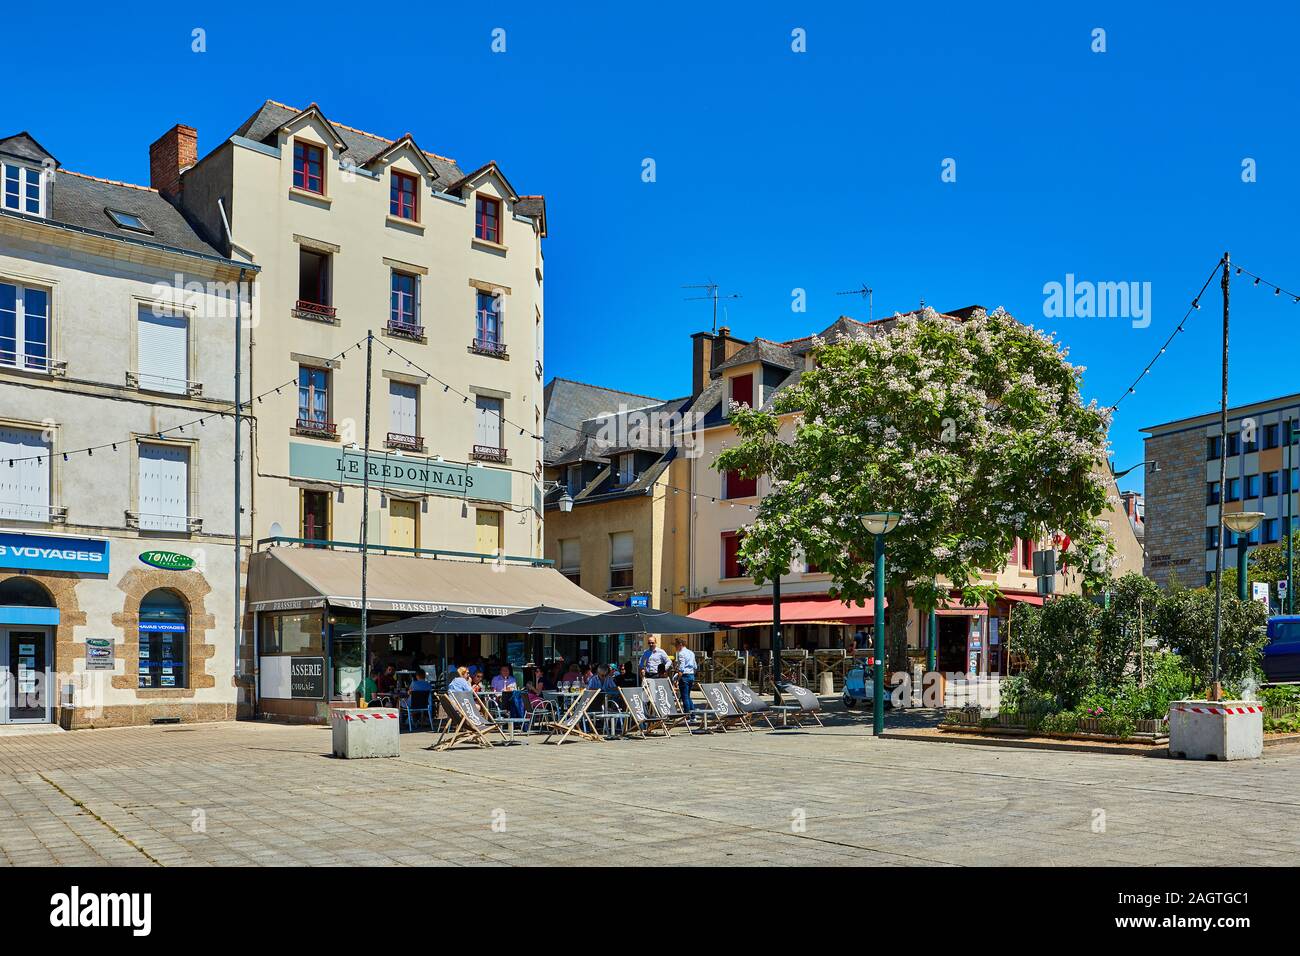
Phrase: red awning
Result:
[794,610]
[1034,599]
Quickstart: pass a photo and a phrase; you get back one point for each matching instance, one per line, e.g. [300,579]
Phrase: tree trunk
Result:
[896,630]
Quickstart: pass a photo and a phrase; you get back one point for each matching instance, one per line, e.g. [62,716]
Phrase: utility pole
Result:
[711,294]
[1290,520]
[776,637]
[239,398]
[365,515]
[865,293]
[1216,689]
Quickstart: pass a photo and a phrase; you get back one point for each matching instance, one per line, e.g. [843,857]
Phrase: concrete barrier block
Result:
[370,732]
[1216,730]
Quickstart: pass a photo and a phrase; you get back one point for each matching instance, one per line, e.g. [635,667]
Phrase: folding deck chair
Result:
[724,707]
[664,701]
[748,701]
[809,705]
[640,715]
[573,719]
[472,721]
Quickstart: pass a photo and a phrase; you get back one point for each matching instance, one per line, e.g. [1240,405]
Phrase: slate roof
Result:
[760,350]
[24,146]
[568,404]
[80,200]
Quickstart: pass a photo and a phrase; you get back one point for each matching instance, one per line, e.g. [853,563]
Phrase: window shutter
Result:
[570,554]
[25,487]
[404,401]
[487,430]
[164,488]
[163,351]
[620,549]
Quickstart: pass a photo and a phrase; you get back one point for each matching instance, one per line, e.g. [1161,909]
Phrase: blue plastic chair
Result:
[417,702]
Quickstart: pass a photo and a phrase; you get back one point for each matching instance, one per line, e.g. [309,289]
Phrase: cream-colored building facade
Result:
[347,254]
[117,532]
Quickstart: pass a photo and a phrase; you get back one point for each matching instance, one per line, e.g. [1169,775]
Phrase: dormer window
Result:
[128,220]
[308,167]
[626,469]
[22,189]
[487,218]
[742,390]
[402,196]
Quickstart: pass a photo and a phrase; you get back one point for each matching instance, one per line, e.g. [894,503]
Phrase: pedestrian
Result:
[652,658]
[684,662]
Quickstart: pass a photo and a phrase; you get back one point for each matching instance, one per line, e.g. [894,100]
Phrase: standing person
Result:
[652,658]
[685,664]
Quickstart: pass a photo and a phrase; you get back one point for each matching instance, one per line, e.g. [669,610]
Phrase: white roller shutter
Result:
[620,550]
[403,403]
[162,344]
[164,488]
[570,554]
[24,485]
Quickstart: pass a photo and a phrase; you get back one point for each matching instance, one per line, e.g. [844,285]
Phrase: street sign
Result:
[1281,588]
[1044,563]
[1259,592]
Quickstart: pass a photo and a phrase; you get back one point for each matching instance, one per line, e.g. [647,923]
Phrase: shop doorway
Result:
[952,644]
[25,657]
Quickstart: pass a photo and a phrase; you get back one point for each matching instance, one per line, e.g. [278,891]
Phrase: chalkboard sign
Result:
[307,678]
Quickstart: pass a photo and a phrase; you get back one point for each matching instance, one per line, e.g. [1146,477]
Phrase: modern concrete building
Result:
[1183,497]
[117,513]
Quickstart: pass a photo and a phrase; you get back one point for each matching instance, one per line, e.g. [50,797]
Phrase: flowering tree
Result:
[974,431]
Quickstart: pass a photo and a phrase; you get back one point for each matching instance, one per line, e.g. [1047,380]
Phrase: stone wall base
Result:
[144,713]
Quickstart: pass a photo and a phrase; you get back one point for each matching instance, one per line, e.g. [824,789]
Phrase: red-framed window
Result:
[487,218]
[402,196]
[737,486]
[732,565]
[742,390]
[308,167]
[1027,549]
[403,310]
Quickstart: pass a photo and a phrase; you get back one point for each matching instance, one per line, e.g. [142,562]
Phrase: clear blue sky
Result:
[779,170]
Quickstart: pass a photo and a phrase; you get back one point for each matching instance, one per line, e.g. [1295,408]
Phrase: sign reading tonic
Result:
[167,560]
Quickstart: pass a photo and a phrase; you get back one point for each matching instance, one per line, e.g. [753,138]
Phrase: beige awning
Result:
[286,579]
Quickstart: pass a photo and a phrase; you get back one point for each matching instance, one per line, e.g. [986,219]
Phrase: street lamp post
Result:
[878,524]
[1240,523]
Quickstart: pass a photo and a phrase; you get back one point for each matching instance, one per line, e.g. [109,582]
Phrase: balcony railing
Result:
[47,514]
[164,383]
[488,347]
[181,524]
[32,363]
[405,442]
[407,330]
[305,309]
[488,453]
[316,426]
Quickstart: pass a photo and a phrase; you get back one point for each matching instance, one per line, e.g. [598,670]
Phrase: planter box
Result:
[1216,730]
[369,732]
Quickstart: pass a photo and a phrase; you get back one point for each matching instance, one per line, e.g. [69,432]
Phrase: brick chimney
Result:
[171,154]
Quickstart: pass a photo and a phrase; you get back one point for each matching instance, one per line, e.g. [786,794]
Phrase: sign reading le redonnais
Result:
[167,560]
[408,472]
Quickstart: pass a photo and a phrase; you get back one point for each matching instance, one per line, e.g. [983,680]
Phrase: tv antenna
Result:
[711,293]
[865,293]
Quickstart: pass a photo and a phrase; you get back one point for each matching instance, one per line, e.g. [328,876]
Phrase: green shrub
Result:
[1185,623]
[1287,696]
[1061,722]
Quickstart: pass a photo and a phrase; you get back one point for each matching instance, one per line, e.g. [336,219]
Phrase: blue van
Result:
[1282,653]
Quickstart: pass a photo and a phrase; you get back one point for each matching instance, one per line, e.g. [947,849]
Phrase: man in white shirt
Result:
[652,657]
[685,665]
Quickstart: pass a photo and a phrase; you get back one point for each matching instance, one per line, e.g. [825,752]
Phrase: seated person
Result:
[504,684]
[461,681]
[627,677]
[387,681]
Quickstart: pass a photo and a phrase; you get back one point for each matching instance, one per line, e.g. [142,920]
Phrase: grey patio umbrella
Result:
[445,621]
[540,619]
[634,620]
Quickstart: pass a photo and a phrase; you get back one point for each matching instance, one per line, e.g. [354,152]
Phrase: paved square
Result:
[247,793]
